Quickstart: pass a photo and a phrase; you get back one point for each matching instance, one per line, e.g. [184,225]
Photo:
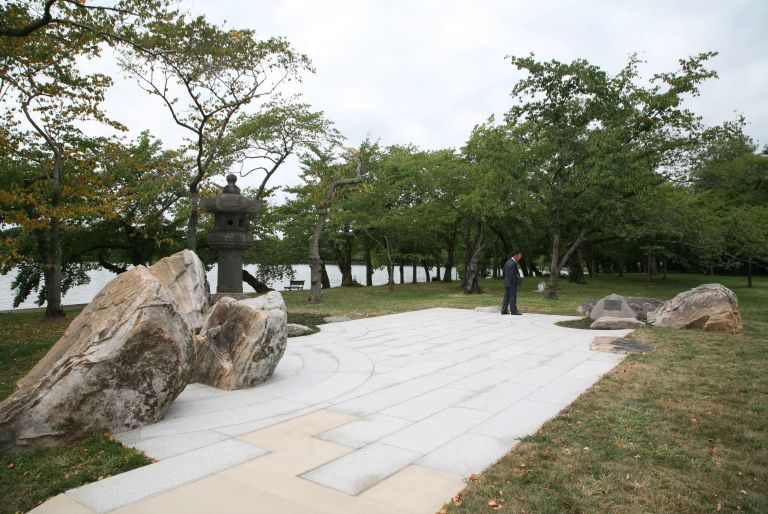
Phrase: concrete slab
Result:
[362,469]
[379,415]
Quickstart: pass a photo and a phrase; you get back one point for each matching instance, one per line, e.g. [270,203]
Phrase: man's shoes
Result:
[503,313]
[517,313]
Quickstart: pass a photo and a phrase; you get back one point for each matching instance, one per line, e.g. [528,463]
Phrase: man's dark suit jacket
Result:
[511,275]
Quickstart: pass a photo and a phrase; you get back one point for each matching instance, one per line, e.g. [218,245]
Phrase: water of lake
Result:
[100,277]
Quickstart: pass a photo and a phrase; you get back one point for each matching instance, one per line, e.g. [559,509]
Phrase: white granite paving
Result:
[447,389]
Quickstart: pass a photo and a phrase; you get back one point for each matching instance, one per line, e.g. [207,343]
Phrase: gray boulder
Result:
[119,364]
[296,330]
[711,307]
[639,304]
[241,342]
[611,323]
[612,306]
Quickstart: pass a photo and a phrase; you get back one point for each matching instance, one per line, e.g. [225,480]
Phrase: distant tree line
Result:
[586,171]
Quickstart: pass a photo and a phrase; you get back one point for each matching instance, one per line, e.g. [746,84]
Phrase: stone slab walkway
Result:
[382,415]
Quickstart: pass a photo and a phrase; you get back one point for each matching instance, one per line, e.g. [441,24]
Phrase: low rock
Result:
[119,364]
[613,306]
[639,304]
[711,307]
[296,330]
[336,319]
[241,342]
[611,323]
[493,310]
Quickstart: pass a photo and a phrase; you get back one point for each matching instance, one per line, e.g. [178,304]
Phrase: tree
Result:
[601,139]
[205,75]
[42,84]
[45,98]
[146,183]
[328,178]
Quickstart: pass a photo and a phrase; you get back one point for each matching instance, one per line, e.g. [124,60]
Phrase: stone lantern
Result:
[230,236]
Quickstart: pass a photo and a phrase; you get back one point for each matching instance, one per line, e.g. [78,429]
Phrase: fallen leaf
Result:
[474,477]
[743,491]
[719,507]
[456,500]
[586,448]
[10,466]
[494,505]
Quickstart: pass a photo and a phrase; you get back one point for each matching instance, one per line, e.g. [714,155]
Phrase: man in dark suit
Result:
[511,281]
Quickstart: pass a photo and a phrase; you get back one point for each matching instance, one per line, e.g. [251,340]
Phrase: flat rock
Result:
[336,319]
[710,307]
[119,364]
[295,330]
[620,345]
[493,310]
[611,323]
[241,342]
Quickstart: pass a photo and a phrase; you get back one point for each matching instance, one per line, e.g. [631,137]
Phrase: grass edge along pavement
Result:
[545,485]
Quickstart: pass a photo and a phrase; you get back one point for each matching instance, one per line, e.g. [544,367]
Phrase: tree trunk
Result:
[494,260]
[413,272]
[49,246]
[449,259]
[325,282]
[343,254]
[557,263]
[367,248]
[426,271]
[255,283]
[391,275]
[315,263]
[402,271]
[554,268]
[576,269]
[194,201]
[472,279]
[749,273]
[664,268]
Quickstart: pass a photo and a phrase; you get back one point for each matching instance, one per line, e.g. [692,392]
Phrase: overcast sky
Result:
[426,72]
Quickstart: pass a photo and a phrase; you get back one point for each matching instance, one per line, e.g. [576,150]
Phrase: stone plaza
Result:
[378,415]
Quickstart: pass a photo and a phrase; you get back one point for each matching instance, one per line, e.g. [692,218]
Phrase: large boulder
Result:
[119,364]
[639,304]
[711,307]
[612,306]
[241,341]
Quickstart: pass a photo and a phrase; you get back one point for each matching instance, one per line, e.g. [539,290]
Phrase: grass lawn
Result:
[682,429]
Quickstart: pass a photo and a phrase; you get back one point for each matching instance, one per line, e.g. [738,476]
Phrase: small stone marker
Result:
[620,345]
[612,306]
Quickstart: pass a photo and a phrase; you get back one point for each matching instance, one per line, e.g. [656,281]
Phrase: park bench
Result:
[295,285]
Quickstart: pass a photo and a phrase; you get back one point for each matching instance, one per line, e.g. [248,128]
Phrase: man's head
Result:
[516,254]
